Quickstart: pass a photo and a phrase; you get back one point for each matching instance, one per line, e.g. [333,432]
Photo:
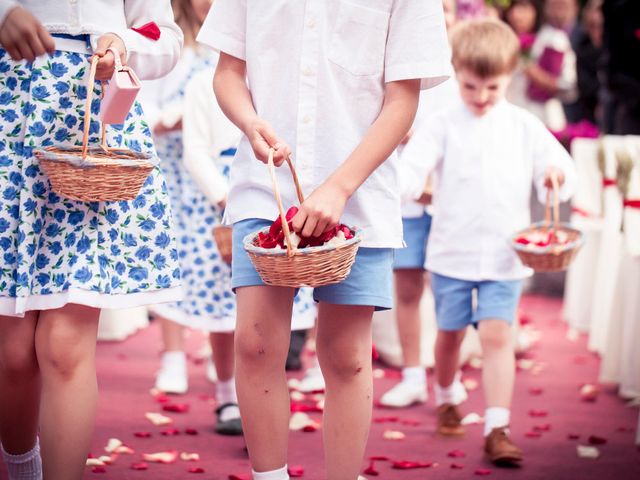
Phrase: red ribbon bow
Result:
[632,203]
[609,182]
[149,30]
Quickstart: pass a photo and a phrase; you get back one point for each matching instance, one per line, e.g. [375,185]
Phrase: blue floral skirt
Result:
[56,251]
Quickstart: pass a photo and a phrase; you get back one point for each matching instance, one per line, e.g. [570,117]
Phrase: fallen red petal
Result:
[176,407]
[538,413]
[139,466]
[99,470]
[195,470]
[595,440]
[191,431]
[543,427]
[385,419]
[239,476]
[309,428]
[169,432]
[536,391]
[408,465]
[482,471]
[379,458]
[457,466]
[371,470]
[456,454]
[533,434]
[296,471]
[142,434]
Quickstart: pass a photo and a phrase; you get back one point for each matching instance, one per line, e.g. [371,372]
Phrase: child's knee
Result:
[495,335]
[258,350]
[343,365]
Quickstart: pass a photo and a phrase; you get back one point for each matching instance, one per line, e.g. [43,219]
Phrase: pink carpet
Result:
[549,420]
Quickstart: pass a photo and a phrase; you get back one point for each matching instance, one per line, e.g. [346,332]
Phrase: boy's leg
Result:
[66,347]
[344,351]
[498,364]
[262,341]
[20,399]
[228,413]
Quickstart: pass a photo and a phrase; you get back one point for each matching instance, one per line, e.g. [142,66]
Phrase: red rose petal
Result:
[309,428]
[142,434]
[139,466]
[595,440]
[371,470]
[379,458]
[296,470]
[191,431]
[239,476]
[456,454]
[573,436]
[149,30]
[482,471]
[538,413]
[98,470]
[385,419]
[195,470]
[533,434]
[169,432]
[176,407]
[543,427]
[536,391]
[457,466]
[409,465]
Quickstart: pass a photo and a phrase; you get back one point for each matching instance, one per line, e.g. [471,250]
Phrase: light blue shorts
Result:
[416,234]
[454,304]
[369,283]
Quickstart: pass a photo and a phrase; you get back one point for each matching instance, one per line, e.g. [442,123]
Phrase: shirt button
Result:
[311,23]
[306,119]
[307,71]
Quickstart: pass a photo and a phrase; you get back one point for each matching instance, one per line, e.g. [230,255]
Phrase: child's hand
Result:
[24,37]
[262,138]
[551,172]
[321,211]
[107,63]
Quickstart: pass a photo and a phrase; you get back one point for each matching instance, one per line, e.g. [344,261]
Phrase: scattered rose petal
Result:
[297,396]
[176,407]
[385,419]
[379,458]
[456,454]
[538,413]
[589,393]
[296,471]
[170,432]
[408,465]
[310,428]
[159,396]
[158,419]
[94,462]
[393,435]
[98,470]
[161,457]
[191,431]
[139,466]
[124,450]
[457,466]
[303,407]
[573,436]
[472,419]
[533,434]
[411,423]
[543,427]
[142,434]
[112,445]
[536,391]
[585,451]
[482,471]
[470,384]
[195,470]
[189,457]
[239,476]
[595,440]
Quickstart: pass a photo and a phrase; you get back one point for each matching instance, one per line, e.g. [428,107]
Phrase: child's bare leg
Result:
[65,346]
[222,351]
[19,383]
[172,335]
[447,355]
[498,365]
[409,285]
[262,341]
[344,351]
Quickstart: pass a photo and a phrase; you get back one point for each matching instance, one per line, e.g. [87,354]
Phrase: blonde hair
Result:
[485,47]
[187,19]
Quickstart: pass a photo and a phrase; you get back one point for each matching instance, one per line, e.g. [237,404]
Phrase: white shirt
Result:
[148,58]
[484,167]
[317,71]
[206,132]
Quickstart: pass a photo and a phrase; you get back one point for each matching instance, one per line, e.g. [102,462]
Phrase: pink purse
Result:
[120,93]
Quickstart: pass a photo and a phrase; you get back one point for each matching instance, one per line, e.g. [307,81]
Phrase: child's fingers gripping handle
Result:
[553,195]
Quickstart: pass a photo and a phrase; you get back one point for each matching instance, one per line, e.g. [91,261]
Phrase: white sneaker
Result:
[211,373]
[313,381]
[461,394]
[172,376]
[405,394]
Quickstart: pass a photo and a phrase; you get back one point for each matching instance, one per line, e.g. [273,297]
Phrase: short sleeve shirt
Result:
[317,70]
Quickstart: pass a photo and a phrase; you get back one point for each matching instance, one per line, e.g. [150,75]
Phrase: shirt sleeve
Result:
[420,157]
[151,58]
[547,151]
[5,7]
[200,145]
[224,29]
[417,44]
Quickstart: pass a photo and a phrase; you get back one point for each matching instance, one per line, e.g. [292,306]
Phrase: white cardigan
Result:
[149,58]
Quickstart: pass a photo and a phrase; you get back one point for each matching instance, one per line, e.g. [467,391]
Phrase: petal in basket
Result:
[284,259]
[97,174]
[120,93]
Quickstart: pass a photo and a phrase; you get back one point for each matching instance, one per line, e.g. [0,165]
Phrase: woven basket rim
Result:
[555,249]
[73,156]
[247,241]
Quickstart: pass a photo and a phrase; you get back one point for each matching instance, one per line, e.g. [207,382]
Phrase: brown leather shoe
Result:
[500,449]
[449,420]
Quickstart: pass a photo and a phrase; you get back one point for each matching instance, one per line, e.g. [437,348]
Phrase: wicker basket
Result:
[554,258]
[293,267]
[97,174]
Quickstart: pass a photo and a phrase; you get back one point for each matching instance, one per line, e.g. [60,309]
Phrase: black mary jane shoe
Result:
[228,427]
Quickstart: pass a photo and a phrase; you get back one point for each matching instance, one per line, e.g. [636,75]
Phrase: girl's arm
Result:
[323,208]
[230,87]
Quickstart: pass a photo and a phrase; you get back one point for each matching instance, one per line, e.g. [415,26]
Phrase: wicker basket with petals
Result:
[299,267]
[98,173]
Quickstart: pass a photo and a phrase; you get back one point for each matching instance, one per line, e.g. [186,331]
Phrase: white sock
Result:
[174,359]
[280,474]
[414,375]
[25,466]
[496,417]
[226,391]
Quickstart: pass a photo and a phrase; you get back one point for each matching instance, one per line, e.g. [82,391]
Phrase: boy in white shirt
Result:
[485,154]
[339,82]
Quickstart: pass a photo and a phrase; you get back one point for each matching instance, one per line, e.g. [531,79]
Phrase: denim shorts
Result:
[416,234]
[454,301]
[368,284]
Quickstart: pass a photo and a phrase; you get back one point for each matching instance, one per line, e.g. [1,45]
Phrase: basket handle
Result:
[283,217]
[87,107]
[553,194]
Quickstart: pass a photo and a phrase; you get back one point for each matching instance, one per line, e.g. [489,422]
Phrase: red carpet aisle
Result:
[550,421]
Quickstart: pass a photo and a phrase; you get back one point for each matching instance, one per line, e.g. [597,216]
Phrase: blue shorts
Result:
[416,234]
[454,301]
[369,283]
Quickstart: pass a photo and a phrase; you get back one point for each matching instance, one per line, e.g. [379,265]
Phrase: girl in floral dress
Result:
[63,260]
